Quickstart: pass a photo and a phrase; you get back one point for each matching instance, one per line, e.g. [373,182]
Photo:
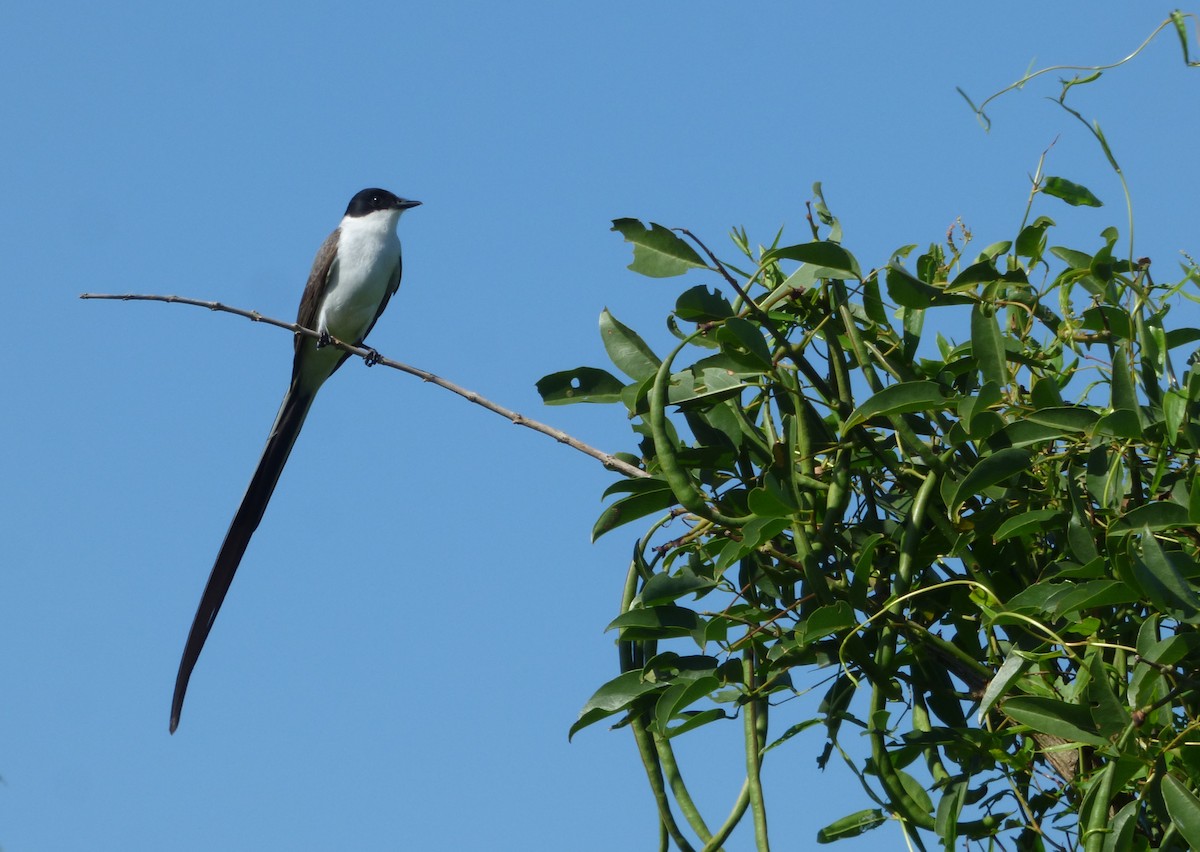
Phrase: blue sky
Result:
[420,616]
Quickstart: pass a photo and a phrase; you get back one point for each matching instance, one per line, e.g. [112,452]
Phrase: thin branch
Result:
[373,357]
[1175,19]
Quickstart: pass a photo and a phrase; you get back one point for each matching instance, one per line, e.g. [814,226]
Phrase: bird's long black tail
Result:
[279,446]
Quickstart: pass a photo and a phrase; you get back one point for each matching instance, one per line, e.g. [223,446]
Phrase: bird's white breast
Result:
[368,255]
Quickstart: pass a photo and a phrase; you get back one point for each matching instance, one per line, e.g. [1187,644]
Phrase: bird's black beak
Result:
[405,204]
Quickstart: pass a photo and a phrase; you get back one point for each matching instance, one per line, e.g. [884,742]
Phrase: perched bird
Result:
[356,271]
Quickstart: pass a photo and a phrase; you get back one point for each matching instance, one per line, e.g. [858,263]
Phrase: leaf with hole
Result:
[583,384]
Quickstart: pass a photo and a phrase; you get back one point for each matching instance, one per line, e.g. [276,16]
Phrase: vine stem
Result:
[650,761]
[372,357]
[756,735]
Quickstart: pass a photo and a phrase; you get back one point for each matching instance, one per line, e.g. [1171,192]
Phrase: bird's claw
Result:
[324,340]
[372,357]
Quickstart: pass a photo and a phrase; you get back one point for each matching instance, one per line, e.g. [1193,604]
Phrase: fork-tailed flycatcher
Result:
[355,274]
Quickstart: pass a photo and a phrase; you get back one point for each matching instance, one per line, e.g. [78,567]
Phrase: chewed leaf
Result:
[657,252]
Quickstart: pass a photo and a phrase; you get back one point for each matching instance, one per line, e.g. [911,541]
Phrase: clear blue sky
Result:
[420,616]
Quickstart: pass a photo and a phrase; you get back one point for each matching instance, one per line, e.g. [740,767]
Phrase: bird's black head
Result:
[370,200]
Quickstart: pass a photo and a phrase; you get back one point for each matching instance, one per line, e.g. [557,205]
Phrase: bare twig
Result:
[606,459]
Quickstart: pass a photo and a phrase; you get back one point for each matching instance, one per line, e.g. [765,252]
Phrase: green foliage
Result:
[984,553]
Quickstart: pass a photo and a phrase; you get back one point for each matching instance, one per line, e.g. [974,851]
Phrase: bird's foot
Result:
[324,340]
[372,357]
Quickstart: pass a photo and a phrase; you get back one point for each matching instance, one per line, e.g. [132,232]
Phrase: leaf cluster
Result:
[980,551]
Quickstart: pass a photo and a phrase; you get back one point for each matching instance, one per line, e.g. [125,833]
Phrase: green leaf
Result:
[583,384]
[916,791]
[1120,836]
[712,385]
[902,398]
[1025,523]
[907,290]
[1038,597]
[873,302]
[1013,667]
[699,304]
[949,808]
[1174,405]
[1095,593]
[626,349]
[1184,808]
[693,719]
[1057,718]
[653,495]
[743,341]
[996,249]
[972,407]
[1159,515]
[825,217]
[1070,192]
[1124,397]
[1031,242]
[913,321]
[1161,582]
[1180,22]
[1072,258]
[1045,393]
[825,620]
[1182,336]
[1068,418]
[990,471]
[834,260]
[851,826]
[1122,423]
[681,695]
[759,531]
[655,622]
[987,345]
[657,252]
[766,503]
[665,588]
[1022,433]
[1109,715]
[983,272]
[1108,318]
[614,696]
